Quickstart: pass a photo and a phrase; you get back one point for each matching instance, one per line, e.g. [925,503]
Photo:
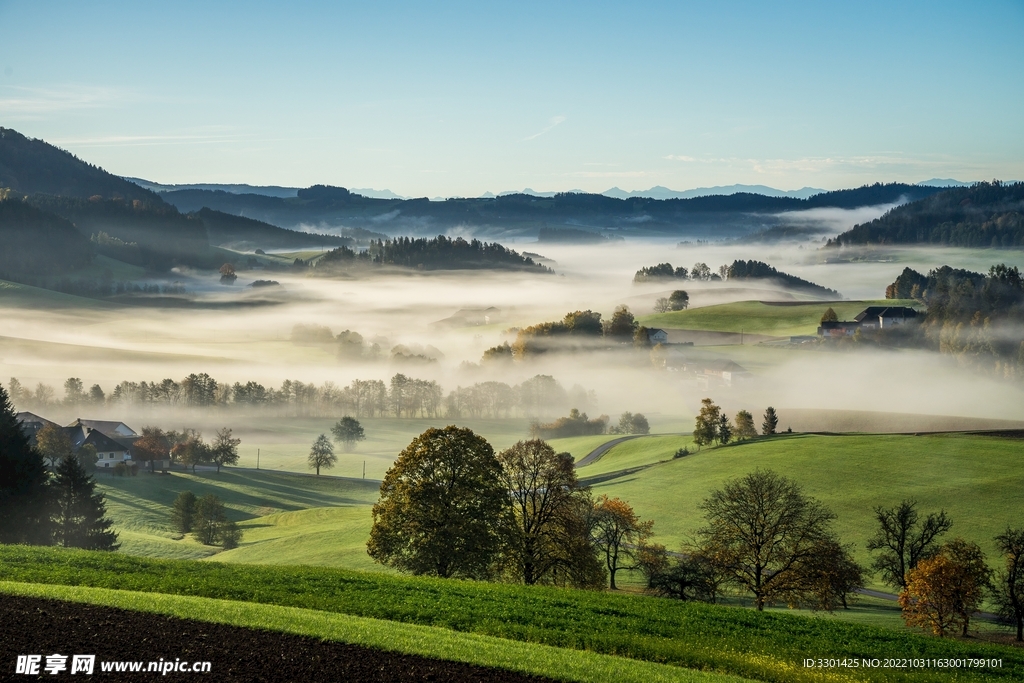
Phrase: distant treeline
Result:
[739,270]
[664,271]
[438,253]
[983,215]
[401,397]
[758,270]
[323,203]
[977,318]
[578,330]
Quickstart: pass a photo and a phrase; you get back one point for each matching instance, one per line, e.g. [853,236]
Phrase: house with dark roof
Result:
[31,424]
[109,451]
[883,317]
[871,318]
[111,428]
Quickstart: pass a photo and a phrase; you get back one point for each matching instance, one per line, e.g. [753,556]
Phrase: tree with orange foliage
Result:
[152,445]
[944,591]
[619,534]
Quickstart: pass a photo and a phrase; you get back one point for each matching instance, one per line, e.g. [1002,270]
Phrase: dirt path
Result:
[34,626]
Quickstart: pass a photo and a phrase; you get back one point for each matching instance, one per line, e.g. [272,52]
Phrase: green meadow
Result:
[762,646]
[756,317]
[977,479]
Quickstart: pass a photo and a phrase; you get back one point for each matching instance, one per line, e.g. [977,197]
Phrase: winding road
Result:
[595,455]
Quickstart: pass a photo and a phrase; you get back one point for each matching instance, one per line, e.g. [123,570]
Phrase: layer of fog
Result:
[42,340]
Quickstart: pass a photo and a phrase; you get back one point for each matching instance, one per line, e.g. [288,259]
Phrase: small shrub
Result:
[120,469]
[682,452]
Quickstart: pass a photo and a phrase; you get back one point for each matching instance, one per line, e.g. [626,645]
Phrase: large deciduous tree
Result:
[151,446]
[440,507]
[943,591]
[347,431]
[224,449]
[679,300]
[765,535]
[547,529]
[745,428]
[706,428]
[189,448]
[1009,584]
[54,443]
[622,325]
[619,535]
[24,514]
[78,511]
[321,454]
[902,542]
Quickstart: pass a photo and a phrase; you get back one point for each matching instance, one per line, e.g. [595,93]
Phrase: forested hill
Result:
[438,253]
[983,215]
[36,243]
[715,214]
[238,232]
[758,270]
[33,166]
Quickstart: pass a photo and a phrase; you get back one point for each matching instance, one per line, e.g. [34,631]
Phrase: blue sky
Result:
[455,99]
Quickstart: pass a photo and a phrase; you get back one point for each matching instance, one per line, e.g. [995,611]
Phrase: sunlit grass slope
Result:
[332,537]
[977,479]
[755,317]
[763,646]
[638,452]
[427,641]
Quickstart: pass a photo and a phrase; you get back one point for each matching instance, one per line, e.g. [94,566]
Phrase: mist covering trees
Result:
[403,396]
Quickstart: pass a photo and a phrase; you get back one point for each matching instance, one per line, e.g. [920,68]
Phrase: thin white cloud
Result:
[555,120]
[21,103]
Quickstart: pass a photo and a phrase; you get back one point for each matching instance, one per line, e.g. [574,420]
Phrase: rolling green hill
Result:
[781,319]
[976,479]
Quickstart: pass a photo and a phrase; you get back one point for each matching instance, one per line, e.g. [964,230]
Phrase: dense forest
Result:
[33,166]
[36,243]
[438,253]
[983,215]
[163,236]
[977,318]
[758,270]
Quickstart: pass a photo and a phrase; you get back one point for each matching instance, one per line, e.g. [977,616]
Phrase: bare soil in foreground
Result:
[33,626]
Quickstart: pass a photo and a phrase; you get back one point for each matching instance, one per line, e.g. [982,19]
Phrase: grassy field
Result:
[140,508]
[284,443]
[754,317]
[978,480]
[638,452]
[427,641]
[763,646]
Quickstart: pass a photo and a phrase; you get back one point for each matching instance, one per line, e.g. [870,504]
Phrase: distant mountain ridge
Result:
[659,192]
[243,188]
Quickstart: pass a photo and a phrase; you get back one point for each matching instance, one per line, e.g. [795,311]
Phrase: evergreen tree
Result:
[724,429]
[208,519]
[771,422]
[78,511]
[184,511]
[24,517]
